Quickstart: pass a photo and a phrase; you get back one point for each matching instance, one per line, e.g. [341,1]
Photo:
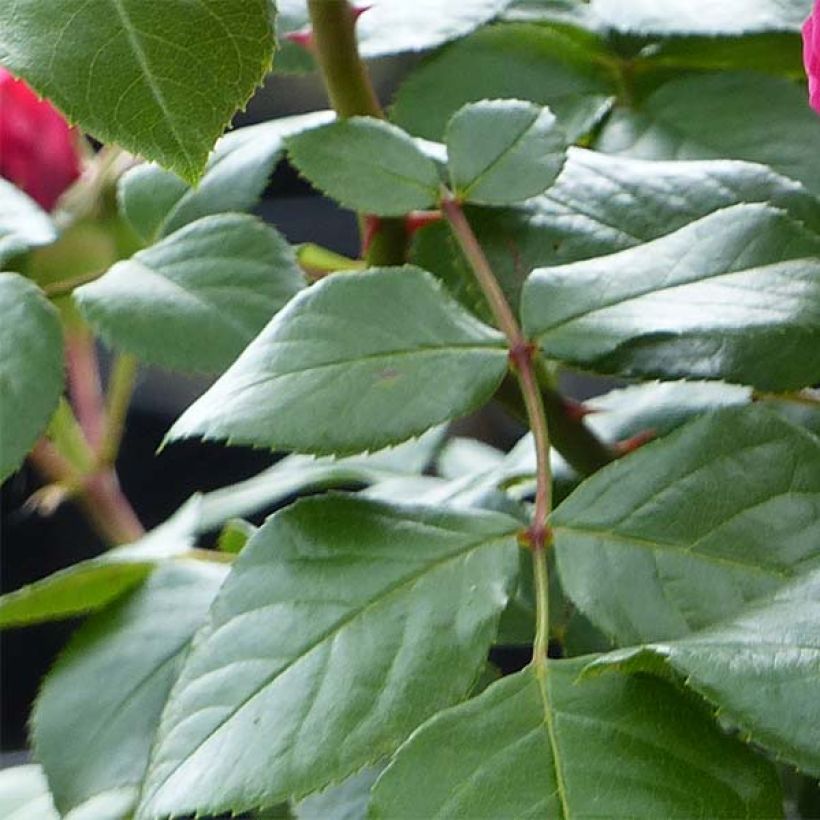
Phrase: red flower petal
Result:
[38,149]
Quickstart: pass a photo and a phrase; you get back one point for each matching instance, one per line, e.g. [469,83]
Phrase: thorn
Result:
[575,410]
[416,220]
[358,11]
[629,445]
[372,225]
[302,38]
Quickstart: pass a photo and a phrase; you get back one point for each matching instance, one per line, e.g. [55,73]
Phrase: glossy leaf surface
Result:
[690,529]
[503,151]
[761,669]
[90,585]
[157,202]
[367,165]
[395,26]
[533,746]
[31,367]
[355,363]
[162,81]
[722,115]
[524,62]
[23,223]
[601,204]
[24,794]
[296,474]
[733,296]
[195,300]
[95,717]
[339,614]
[733,17]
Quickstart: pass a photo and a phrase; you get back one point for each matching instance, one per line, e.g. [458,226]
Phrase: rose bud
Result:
[811,55]
[38,149]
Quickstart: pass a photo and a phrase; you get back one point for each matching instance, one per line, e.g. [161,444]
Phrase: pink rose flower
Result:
[38,149]
[811,55]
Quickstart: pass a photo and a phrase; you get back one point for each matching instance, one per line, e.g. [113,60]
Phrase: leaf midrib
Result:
[133,39]
[417,351]
[552,738]
[674,549]
[495,161]
[337,627]
[587,313]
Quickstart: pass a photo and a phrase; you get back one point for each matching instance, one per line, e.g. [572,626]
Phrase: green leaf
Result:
[367,165]
[601,204]
[775,53]
[541,745]
[23,223]
[548,66]
[24,794]
[356,362]
[395,26]
[733,296]
[685,532]
[344,801]
[196,299]
[235,534]
[157,202]
[701,16]
[722,115]
[162,81]
[340,616]
[503,151]
[31,367]
[296,474]
[761,669]
[659,406]
[92,584]
[95,717]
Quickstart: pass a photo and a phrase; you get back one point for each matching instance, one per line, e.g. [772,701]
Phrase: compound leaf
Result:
[685,532]
[160,80]
[23,223]
[540,744]
[503,151]
[344,619]
[601,204]
[733,296]
[723,114]
[761,669]
[31,367]
[536,63]
[392,26]
[157,202]
[196,299]
[24,794]
[358,362]
[367,165]
[90,585]
[674,17]
[97,712]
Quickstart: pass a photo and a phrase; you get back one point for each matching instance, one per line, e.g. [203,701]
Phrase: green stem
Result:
[346,79]
[317,261]
[542,627]
[68,286]
[120,387]
[67,437]
[85,389]
[524,361]
[351,94]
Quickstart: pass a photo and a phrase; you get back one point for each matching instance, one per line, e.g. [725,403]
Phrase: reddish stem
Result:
[84,385]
